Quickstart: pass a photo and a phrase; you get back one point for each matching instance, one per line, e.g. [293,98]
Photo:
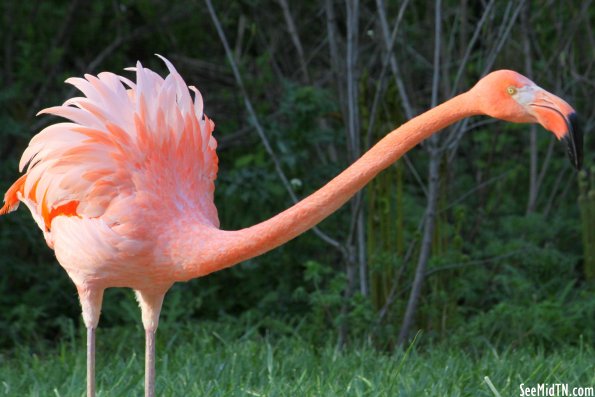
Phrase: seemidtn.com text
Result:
[556,390]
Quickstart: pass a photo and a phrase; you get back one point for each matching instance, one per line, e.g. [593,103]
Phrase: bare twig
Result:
[406,103]
[396,71]
[546,162]
[336,66]
[426,245]
[205,68]
[552,197]
[240,37]
[109,49]
[460,265]
[454,137]
[381,80]
[503,35]
[474,189]
[433,186]
[295,38]
[277,164]
[392,295]
[533,155]
[463,64]
[58,41]
[353,138]
[475,262]
[416,174]
[352,92]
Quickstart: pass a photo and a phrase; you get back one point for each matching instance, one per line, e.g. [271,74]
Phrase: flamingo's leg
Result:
[90,362]
[150,304]
[91,306]
[149,363]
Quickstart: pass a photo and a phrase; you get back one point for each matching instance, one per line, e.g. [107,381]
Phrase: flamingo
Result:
[123,193]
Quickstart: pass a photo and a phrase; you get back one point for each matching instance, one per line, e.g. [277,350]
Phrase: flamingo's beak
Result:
[557,116]
[574,141]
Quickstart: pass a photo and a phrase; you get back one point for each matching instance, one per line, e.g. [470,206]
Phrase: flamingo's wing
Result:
[148,140]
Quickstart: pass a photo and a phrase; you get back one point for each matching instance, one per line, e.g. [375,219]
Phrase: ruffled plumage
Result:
[148,140]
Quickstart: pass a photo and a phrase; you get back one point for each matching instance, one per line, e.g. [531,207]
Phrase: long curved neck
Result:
[227,248]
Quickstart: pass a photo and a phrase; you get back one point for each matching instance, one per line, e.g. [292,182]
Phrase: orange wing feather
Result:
[145,140]
[11,198]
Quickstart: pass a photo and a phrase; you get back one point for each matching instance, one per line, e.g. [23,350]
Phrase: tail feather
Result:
[11,198]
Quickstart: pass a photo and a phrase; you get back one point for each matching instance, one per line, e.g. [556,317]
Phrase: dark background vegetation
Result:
[500,255]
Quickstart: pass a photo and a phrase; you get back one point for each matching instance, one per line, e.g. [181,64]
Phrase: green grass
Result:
[216,359]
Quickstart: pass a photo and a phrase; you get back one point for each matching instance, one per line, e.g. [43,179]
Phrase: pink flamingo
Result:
[124,192]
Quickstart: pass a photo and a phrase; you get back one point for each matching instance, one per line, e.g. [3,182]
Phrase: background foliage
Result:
[506,267]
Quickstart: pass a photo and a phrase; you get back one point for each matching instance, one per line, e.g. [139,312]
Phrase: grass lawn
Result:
[217,360]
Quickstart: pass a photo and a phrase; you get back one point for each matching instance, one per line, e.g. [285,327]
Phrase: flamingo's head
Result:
[510,96]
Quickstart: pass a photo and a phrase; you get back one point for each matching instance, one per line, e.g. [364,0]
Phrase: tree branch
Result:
[277,164]
[295,38]
[433,187]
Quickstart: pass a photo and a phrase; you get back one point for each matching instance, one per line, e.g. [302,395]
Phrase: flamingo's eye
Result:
[511,90]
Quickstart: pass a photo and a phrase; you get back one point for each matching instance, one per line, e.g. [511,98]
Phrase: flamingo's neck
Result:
[204,250]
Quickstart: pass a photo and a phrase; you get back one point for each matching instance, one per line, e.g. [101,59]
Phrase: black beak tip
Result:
[574,141]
